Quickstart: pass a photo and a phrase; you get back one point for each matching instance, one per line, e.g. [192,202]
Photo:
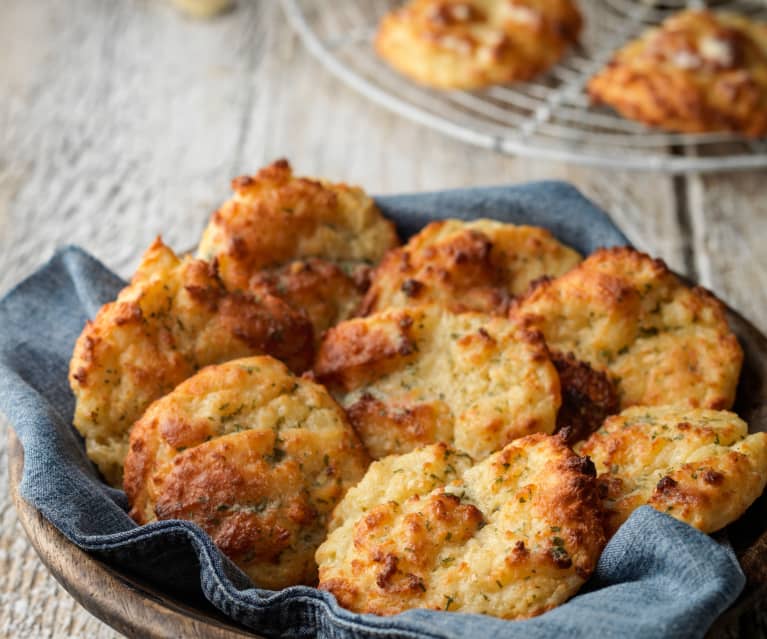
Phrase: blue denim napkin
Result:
[656,578]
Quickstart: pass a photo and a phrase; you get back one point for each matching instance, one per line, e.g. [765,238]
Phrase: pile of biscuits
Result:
[458,423]
[699,71]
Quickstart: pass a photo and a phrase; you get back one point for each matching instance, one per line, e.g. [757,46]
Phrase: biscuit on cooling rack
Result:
[699,71]
[414,376]
[173,318]
[700,466]
[275,217]
[469,44]
[478,265]
[512,536]
[254,455]
[626,314]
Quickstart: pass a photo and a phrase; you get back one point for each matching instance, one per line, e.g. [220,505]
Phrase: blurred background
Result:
[124,119]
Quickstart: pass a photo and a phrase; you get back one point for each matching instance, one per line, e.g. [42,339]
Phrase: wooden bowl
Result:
[133,607]
[137,609]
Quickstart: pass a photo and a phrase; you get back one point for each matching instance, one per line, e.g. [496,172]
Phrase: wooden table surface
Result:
[123,120]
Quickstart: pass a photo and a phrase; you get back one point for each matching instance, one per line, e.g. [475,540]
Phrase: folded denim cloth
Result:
[656,578]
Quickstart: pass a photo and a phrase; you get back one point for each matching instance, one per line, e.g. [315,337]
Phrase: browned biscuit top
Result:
[623,313]
[699,71]
[511,536]
[254,455]
[466,266]
[700,466]
[174,317]
[326,292]
[413,376]
[475,43]
[588,398]
[275,217]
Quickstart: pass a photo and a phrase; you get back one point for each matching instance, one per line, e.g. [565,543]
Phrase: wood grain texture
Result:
[121,120]
[131,606]
[32,603]
[728,216]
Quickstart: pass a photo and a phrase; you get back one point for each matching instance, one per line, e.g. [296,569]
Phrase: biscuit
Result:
[173,318]
[326,292]
[415,376]
[274,218]
[700,466]
[699,71]
[588,398]
[512,536]
[254,455]
[478,265]
[623,313]
[470,44]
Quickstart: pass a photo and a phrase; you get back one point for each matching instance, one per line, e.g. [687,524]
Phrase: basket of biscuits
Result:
[352,422]
[672,86]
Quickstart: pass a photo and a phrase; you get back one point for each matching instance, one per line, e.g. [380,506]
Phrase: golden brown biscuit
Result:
[274,218]
[414,376]
[512,536]
[626,314]
[254,455]
[588,398]
[700,466]
[469,44]
[699,71]
[173,318]
[477,265]
[327,293]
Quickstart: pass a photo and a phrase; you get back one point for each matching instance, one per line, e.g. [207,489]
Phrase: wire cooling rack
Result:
[549,118]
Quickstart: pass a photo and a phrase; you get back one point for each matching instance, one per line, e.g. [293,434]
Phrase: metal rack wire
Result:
[549,118]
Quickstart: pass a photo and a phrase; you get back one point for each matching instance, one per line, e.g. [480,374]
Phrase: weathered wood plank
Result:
[728,215]
[32,604]
[130,605]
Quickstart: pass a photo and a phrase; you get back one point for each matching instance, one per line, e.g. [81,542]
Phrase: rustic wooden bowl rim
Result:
[131,606]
